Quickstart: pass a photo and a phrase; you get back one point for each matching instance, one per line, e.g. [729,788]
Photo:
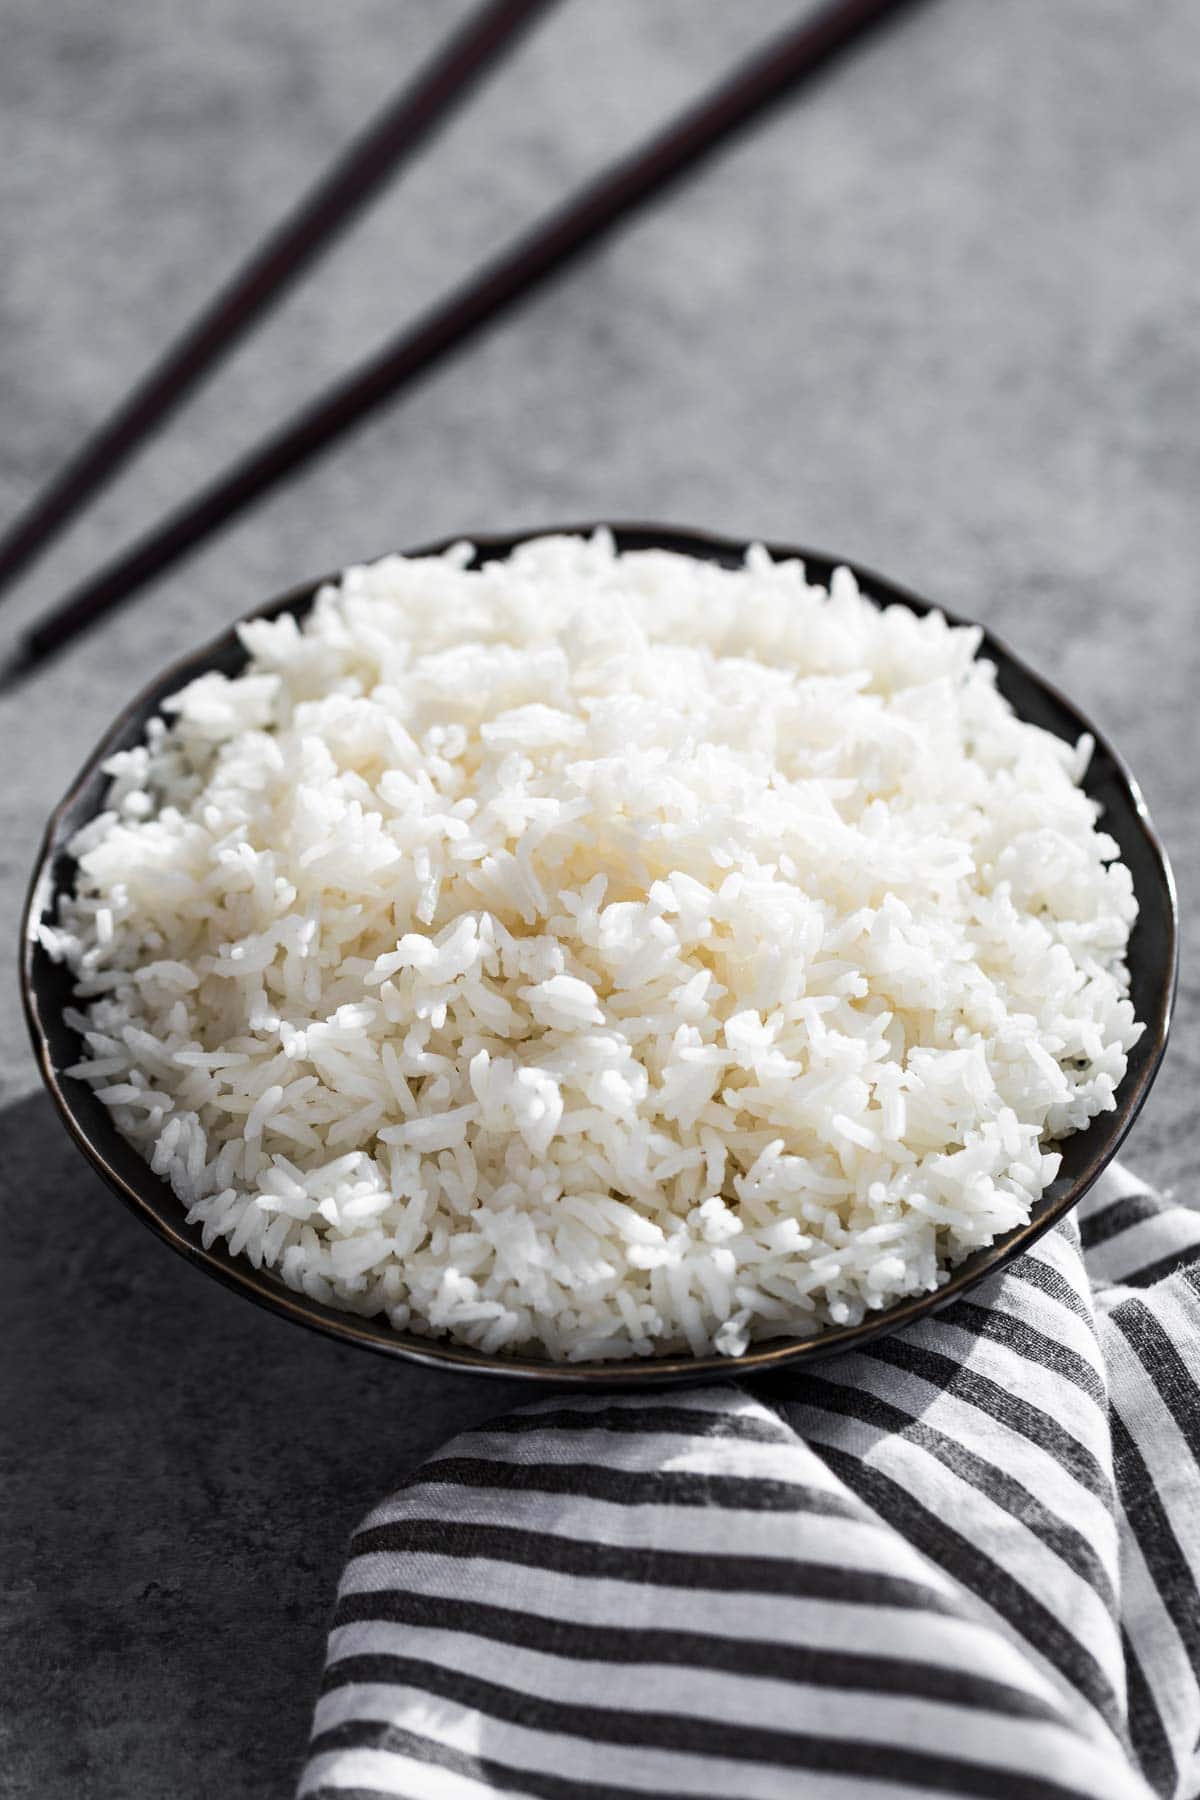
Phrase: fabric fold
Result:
[963,1561]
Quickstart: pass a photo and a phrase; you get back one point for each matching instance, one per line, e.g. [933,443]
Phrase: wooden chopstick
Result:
[403,126]
[613,196]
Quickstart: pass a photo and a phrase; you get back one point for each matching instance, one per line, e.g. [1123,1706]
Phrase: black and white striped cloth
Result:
[961,1562]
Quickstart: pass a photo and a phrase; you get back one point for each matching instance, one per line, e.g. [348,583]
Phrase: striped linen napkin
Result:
[961,1562]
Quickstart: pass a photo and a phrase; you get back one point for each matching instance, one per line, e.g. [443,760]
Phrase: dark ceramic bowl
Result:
[46,988]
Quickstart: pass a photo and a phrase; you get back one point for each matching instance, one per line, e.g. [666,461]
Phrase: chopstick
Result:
[408,120]
[560,237]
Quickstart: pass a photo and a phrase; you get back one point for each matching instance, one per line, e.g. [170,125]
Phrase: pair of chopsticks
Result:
[404,125]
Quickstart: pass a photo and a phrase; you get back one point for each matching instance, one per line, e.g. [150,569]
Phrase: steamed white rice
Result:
[601,954]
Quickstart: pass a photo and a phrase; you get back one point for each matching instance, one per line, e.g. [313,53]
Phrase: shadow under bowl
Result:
[46,991]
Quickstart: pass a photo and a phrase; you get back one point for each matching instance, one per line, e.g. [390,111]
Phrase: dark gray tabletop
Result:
[940,316]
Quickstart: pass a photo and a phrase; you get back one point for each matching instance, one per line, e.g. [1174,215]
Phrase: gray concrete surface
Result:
[941,316]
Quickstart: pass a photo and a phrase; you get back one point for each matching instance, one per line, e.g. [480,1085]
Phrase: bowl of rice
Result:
[611,955]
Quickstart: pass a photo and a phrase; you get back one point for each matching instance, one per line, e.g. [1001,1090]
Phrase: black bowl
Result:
[46,989]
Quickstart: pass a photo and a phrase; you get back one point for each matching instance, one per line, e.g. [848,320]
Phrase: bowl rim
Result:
[374,1333]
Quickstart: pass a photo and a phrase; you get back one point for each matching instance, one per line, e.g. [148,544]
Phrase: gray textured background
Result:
[942,316]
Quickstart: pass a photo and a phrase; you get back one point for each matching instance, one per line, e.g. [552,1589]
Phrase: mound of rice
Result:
[601,954]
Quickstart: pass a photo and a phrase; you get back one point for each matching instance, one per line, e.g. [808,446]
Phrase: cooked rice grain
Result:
[601,954]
